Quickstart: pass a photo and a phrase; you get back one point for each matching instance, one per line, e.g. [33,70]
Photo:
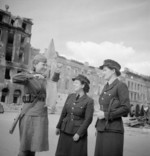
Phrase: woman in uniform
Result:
[33,125]
[114,104]
[76,116]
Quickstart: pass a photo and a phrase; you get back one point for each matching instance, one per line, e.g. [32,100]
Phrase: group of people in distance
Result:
[76,115]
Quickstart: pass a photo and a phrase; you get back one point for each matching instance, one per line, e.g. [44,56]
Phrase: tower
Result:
[51,55]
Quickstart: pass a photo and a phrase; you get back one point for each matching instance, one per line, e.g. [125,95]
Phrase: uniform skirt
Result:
[67,147]
[34,133]
[109,144]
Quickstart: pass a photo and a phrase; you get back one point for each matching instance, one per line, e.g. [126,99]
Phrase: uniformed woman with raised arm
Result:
[33,124]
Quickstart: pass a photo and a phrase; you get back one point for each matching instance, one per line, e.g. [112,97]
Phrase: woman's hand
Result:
[46,105]
[57,132]
[100,115]
[39,76]
[76,137]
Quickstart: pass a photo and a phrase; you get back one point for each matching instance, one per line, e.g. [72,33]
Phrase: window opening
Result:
[7,73]
[24,25]
[1,18]
[10,38]
[5,92]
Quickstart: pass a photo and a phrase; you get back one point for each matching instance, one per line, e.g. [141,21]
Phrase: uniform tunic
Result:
[76,117]
[33,124]
[110,137]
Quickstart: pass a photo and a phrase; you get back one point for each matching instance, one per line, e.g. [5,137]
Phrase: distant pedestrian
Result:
[114,104]
[1,108]
[146,114]
[76,116]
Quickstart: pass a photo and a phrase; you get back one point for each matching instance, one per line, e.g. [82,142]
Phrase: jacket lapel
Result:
[81,98]
[111,85]
[104,89]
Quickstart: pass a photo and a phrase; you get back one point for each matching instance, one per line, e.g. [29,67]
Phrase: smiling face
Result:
[108,73]
[41,67]
[78,87]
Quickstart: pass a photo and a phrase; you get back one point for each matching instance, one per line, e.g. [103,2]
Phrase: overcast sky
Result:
[91,30]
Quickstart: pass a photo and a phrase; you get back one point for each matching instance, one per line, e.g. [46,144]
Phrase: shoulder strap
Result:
[109,108]
[20,115]
[23,112]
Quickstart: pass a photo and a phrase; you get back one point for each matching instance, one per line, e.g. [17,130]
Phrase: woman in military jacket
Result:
[114,104]
[33,125]
[76,116]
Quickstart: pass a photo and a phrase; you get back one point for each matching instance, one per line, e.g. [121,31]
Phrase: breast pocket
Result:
[79,110]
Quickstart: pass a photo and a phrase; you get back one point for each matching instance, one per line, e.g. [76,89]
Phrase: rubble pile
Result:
[139,117]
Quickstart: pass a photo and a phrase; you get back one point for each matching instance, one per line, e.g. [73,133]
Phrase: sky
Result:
[91,30]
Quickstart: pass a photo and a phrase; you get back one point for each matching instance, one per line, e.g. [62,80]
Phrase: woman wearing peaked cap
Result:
[76,116]
[114,104]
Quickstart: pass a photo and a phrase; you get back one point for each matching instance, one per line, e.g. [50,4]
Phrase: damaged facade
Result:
[71,68]
[139,87]
[15,34]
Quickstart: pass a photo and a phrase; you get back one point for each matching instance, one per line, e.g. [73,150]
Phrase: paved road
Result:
[137,141]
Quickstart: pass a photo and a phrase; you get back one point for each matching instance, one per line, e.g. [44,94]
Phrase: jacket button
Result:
[72,107]
[104,92]
[102,98]
[74,103]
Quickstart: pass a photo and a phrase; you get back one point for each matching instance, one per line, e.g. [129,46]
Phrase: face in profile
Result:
[107,73]
[77,86]
[41,67]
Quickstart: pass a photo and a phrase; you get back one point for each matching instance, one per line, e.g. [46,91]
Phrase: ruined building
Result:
[15,34]
[139,87]
[15,51]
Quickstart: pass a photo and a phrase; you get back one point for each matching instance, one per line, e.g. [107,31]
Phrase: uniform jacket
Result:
[120,106]
[76,115]
[34,86]
[33,124]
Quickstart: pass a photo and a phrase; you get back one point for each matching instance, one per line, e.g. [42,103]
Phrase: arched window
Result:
[5,92]
[17,94]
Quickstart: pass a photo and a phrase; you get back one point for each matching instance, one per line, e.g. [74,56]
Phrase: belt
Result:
[41,98]
[29,98]
[75,117]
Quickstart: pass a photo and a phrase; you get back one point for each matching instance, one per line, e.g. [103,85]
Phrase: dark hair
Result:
[116,71]
[86,87]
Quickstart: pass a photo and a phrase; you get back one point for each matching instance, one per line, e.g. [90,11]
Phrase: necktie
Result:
[77,97]
[107,85]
